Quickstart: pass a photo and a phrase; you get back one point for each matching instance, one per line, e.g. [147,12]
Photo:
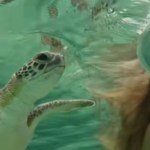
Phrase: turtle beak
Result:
[62,61]
[58,60]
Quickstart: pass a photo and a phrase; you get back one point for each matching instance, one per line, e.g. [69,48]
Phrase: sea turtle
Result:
[18,118]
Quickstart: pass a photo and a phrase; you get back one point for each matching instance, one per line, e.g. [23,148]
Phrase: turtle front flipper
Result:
[55,106]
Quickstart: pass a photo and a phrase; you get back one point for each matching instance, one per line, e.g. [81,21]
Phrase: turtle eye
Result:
[42,56]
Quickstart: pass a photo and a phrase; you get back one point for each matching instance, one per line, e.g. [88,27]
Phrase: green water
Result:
[22,25]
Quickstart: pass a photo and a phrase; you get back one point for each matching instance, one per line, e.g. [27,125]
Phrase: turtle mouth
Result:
[49,69]
[58,62]
[47,72]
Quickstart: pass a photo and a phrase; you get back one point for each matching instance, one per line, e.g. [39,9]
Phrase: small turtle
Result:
[18,118]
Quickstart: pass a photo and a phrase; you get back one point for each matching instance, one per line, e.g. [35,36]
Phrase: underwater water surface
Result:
[76,28]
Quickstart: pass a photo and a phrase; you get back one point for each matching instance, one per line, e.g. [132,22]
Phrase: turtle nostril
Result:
[42,56]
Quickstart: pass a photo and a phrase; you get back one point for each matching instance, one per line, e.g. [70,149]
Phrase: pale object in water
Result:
[30,83]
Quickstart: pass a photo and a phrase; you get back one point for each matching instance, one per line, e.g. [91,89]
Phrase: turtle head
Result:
[41,74]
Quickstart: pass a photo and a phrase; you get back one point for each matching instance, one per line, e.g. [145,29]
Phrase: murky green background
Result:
[22,25]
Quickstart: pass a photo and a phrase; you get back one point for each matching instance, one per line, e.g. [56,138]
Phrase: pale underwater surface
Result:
[23,22]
